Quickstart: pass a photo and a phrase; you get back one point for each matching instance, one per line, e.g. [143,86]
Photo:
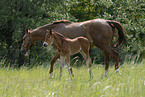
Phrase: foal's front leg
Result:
[53,60]
[69,67]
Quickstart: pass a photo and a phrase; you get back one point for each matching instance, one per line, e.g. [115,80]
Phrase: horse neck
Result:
[38,35]
[40,32]
[58,40]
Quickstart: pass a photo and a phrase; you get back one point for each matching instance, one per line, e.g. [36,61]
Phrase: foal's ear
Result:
[47,31]
[26,30]
[50,31]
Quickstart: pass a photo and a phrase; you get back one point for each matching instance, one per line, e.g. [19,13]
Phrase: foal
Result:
[66,47]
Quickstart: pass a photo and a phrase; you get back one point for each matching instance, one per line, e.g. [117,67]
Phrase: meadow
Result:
[35,82]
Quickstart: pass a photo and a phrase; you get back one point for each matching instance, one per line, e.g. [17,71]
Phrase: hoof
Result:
[50,75]
[117,70]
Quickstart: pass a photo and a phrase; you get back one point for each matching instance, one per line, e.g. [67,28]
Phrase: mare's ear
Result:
[26,30]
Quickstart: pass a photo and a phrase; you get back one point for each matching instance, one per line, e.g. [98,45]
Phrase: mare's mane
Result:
[62,21]
[59,35]
[50,24]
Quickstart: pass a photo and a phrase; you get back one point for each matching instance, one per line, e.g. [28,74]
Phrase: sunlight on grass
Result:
[36,82]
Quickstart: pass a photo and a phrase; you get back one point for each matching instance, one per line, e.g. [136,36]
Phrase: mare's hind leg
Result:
[115,56]
[107,61]
[117,61]
[69,67]
[53,60]
[108,51]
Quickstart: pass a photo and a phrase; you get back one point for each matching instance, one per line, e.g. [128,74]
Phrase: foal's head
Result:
[48,38]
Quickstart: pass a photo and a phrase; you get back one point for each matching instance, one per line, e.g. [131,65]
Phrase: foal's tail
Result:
[119,27]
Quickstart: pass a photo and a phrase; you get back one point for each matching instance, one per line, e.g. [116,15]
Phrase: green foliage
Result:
[83,10]
[16,15]
[129,13]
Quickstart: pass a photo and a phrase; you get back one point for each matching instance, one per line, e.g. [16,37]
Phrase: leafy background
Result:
[16,15]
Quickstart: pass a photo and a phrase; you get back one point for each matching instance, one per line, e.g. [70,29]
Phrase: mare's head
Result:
[48,38]
[27,42]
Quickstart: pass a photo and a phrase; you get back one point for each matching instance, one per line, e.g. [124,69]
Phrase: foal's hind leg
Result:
[69,67]
[88,61]
[61,65]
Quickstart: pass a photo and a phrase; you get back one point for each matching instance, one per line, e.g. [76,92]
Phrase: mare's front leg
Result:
[53,60]
[69,67]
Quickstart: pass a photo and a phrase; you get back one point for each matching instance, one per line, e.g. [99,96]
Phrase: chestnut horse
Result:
[66,47]
[98,31]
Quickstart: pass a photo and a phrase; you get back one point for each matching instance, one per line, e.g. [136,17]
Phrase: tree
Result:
[15,16]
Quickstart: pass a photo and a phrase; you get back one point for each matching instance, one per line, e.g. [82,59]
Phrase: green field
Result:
[35,82]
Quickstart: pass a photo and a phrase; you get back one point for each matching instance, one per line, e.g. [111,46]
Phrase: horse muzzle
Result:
[23,51]
[45,44]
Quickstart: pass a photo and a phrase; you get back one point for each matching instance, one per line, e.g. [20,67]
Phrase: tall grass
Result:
[35,82]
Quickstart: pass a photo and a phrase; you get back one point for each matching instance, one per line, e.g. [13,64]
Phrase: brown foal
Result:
[66,47]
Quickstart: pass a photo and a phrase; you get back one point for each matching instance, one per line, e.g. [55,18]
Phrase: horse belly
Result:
[75,48]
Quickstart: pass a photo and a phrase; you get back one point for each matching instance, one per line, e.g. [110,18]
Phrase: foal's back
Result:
[75,45]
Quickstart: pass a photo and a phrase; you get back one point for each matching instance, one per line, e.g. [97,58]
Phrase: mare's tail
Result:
[119,27]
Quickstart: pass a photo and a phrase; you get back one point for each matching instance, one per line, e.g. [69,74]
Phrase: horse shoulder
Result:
[60,27]
[65,45]
[63,49]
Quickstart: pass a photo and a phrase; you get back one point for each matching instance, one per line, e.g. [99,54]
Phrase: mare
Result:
[66,47]
[99,32]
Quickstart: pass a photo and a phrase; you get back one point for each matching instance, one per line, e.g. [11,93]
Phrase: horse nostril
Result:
[45,44]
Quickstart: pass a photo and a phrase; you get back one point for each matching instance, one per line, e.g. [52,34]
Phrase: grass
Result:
[35,82]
